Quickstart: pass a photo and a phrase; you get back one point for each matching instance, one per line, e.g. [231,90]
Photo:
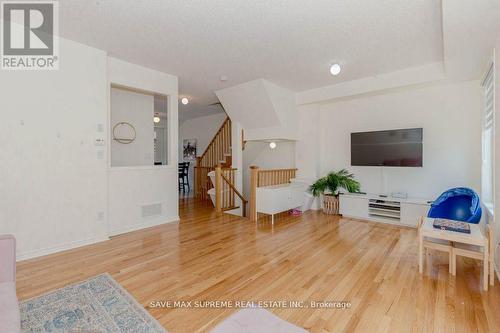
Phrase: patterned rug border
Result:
[115,283]
[65,286]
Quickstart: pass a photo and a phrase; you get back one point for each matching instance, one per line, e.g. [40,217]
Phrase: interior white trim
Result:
[63,247]
[144,167]
[143,225]
[406,77]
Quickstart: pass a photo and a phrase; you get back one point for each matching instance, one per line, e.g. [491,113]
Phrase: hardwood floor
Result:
[309,257]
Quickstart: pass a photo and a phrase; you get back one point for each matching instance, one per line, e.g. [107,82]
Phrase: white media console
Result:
[383,209]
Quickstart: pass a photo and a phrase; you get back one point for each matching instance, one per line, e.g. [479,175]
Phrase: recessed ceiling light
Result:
[223,78]
[184,100]
[156,119]
[335,69]
[272,145]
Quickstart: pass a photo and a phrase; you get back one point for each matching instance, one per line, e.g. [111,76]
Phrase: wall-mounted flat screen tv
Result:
[393,148]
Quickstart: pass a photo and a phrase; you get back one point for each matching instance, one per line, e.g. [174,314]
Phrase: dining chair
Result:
[184,176]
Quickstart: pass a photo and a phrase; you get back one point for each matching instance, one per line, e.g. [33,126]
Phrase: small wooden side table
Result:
[475,237]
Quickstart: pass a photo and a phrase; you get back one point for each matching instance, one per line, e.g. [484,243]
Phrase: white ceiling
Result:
[470,30]
[289,42]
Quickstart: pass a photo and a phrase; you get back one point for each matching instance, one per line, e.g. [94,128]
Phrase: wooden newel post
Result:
[218,189]
[197,177]
[254,182]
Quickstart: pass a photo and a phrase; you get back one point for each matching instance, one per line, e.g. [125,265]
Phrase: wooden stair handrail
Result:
[214,138]
[242,198]
[230,208]
[267,177]
[274,170]
[259,178]
[223,202]
[218,151]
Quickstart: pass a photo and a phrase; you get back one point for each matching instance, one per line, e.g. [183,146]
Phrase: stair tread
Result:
[230,208]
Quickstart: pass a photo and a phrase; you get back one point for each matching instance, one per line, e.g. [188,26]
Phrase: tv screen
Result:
[396,148]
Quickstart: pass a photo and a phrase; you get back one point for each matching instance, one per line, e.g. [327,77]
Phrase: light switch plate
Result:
[99,142]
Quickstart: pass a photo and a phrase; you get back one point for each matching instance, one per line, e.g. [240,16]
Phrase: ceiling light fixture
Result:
[272,145]
[184,100]
[335,69]
[156,119]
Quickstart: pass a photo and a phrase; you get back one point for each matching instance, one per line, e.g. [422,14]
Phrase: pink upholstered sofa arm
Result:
[7,258]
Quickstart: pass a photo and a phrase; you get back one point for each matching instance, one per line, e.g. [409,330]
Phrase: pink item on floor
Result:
[256,321]
[10,321]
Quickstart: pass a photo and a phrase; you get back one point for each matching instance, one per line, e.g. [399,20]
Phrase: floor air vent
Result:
[151,210]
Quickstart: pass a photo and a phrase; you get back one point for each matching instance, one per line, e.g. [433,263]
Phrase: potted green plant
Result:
[329,186]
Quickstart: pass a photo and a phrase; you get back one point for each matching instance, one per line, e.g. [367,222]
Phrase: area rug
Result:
[256,321]
[97,305]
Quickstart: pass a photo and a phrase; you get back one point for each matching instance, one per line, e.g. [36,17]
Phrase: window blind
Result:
[488,115]
[489,97]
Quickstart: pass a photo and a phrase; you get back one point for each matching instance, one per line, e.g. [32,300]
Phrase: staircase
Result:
[219,149]
[217,152]
[216,161]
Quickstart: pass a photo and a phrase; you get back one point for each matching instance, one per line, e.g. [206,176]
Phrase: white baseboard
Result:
[71,245]
[63,247]
[236,212]
[143,225]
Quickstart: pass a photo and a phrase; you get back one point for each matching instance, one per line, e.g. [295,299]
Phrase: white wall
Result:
[259,154]
[284,107]
[53,179]
[264,109]
[449,114]
[237,162]
[496,220]
[133,189]
[136,109]
[202,129]
[308,147]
